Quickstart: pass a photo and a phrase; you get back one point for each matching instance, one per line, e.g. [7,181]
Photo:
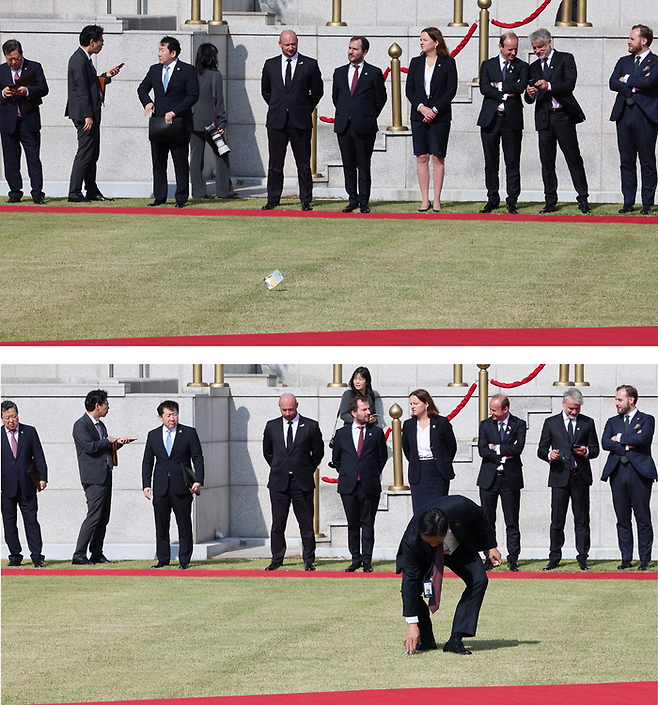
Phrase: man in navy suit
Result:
[95,451]
[359,95]
[83,106]
[293,448]
[632,472]
[291,85]
[359,456]
[174,482]
[557,112]
[23,465]
[175,89]
[568,443]
[635,80]
[500,442]
[448,532]
[22,86]
[502,82]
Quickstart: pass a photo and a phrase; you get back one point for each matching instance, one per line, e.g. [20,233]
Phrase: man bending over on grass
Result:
[450,532]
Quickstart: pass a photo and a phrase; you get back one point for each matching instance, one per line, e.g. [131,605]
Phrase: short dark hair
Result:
[426,398]
[206,58]
[630,390]
[12,45]
[354,403]
[433,522]
[91,31]
[96,396]
[167,404]
[171,43]
[645,32]
[365,373]
[365,44]
[6,405]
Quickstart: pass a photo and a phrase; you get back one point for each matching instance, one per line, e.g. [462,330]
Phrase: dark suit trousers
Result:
[182,507]
[511,501]
[631,493]
[561,131]
[300,141]
[578,492]
[636,138]
[179,155]
[492,135]
[28,506]
[302,506]
[360,510]
[11,153]
[356,153]
[86,159]
[92,531]
[223,185]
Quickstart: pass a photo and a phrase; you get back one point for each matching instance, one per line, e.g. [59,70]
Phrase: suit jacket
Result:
[517,80]
[443,87]
[29,106]
[84,95]
[209,108]
[415,557]
[92,451]
[368,466]
[646,80]
[562,76]
[170,470]
[306,454]
[640,436]
[442,443]
[182,91]
[512,445]
[14,470]
[299,100]
[554,435]
[365,105]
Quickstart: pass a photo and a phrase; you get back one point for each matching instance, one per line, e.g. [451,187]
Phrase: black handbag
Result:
[160,131]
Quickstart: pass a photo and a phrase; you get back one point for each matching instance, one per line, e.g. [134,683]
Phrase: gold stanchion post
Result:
[483,28]
[395,52]
[458,376]
[335,15]
[219,377]
[398,485]
[197,377]
[579,376]
[195,13]
[483,392]
[581,14]
[567,8]
[563,381]
[316,506]
[314,147]
[338,377]
[458,15]
[217,13]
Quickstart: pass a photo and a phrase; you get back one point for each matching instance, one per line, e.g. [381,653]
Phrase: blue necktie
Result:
[165,80]
[168,442]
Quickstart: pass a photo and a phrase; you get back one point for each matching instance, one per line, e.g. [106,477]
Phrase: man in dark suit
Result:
[359,95]
[568,443]
[24,471]
[632,472]
[291,85]
[173,483]
[359,456]
[293,448]
[175,89]
[502,82]
[500,442]
[95,451]
[635,80]
[449,533]
[22,86]
[557,112]
[86,93]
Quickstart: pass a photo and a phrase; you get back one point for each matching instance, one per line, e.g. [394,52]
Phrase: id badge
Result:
[427,588]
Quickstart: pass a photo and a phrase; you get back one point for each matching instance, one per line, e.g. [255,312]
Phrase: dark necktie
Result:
[630,100]
[505,70]
[501,430]
[108,457]
[288,80]
[572,436]
[355,79]
[437,577]
[289,434]
[627,423]
[545,68]
[359,447]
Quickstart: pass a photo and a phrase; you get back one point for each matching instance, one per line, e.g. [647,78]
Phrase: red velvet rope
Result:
[529,18]
[525,380]
[462,403]
[466,39]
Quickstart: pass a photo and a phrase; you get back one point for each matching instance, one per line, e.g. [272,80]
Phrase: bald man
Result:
[293,448]
[291,86]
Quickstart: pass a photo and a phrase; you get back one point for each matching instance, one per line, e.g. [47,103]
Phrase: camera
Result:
[217,138]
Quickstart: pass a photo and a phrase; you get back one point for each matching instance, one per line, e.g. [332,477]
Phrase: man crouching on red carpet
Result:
[450,532]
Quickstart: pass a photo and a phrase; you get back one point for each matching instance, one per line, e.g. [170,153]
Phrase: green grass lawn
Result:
[112,638]
[98,275]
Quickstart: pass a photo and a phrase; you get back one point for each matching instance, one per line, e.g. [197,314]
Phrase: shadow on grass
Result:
[495,644]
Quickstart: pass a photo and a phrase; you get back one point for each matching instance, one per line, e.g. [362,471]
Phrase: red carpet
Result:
[592,694]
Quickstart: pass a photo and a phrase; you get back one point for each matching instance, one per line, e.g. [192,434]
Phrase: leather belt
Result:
[500,472]
[501,113]
[556,110]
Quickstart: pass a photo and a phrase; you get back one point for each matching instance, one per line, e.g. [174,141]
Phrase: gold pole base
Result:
[320,536]
[398,488]
[563,384]
[197,384]
[337,384]
[458,384]
[584,24]
[195,22]
[217,22]
[218,384]
[336,24]
[457,24]
[581,384]
[565,24]
[317,176]
[396,128]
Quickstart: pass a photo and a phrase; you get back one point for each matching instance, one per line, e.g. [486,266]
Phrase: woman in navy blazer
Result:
[431,86]
[429,445]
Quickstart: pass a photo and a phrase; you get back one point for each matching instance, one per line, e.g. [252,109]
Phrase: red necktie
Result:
[355,79]
[437,578]
[14,444]
[18,107]
[359,447]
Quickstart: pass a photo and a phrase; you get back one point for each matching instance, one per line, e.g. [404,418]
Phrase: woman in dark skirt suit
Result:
[431,86]
[429,445]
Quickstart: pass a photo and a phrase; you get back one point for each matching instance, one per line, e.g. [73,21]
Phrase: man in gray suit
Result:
[86,92]
[95,461]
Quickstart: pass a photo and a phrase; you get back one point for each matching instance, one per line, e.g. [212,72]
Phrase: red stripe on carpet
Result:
[443,337]
[209,573]
[642,693]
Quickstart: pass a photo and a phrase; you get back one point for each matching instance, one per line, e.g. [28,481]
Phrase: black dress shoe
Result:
[584,207]
[511,208]
[269,206]
[309,566]
[160,564]
[273,566]
[367,567]
[184,566]
[307,207]
[488,565]
[547,209]
[353,567]
[513,564]
[38,563]
[646,210]
[98,197]
[350,208]
[584,565]
[14,562]
[82,561]
[490,206]
[644,565]
[625,564]
[39,201]
[365,209]
[180,205]
[156,203]
[101,559]
[455,645]
[14,200]
[78,199]
[626,209]
[552,564]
